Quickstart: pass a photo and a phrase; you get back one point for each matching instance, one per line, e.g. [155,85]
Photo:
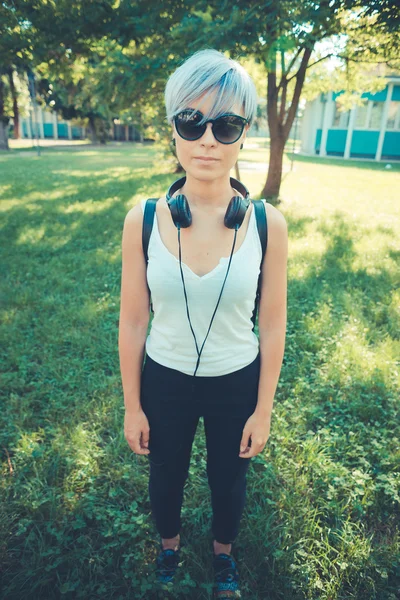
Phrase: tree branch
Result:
[292,61]
[272,94]
[282,107]
[300,76]
[372,62]
[320,59]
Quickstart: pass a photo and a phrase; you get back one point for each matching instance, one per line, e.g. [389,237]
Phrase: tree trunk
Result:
[4,133]
[3,119]
[92,130]
[280,121]
[274,178]
[102,131]
[15,103]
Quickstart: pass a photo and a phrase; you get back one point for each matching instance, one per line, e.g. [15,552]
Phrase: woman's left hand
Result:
[257,427]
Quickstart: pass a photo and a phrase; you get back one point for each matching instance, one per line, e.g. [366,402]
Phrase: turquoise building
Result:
[46,124]
[370,131]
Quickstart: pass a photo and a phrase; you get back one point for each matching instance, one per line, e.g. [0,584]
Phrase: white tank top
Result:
[231,344]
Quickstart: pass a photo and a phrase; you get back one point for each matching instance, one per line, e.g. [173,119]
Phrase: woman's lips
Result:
[206,160]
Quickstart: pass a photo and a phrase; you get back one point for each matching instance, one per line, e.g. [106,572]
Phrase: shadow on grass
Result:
[77,499]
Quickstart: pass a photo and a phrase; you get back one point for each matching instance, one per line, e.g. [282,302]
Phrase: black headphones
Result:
[235,213]
[181,216]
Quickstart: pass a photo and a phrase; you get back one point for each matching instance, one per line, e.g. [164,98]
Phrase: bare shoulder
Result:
[133,225]
[277,237]
[134,216]
[132,231]
[277,225]
[274,216]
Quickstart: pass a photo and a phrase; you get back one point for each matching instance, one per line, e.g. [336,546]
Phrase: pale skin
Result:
[208,191]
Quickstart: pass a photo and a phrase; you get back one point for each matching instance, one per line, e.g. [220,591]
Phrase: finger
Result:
[248,453]
[140,450]
[145,439]
[143,445]
[244,444]
[245,452]
[136,447]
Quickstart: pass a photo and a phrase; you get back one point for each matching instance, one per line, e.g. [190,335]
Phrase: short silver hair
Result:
[207,71]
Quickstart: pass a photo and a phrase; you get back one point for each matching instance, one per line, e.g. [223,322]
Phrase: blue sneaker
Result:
[226,577]
[168,562]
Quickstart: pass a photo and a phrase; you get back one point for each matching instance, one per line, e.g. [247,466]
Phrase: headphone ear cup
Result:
[236,212]
[180,211]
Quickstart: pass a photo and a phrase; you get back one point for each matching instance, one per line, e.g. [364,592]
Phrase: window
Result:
[336,116]
[361,116]
[376,115]
[340,118]
[393,115]
[322,109]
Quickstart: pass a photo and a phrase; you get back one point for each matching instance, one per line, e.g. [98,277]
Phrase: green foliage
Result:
[105,60]
[322,514]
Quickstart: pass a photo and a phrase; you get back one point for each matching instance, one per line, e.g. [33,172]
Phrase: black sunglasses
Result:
[226,129]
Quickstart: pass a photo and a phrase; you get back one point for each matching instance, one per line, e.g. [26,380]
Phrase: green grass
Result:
[322,511]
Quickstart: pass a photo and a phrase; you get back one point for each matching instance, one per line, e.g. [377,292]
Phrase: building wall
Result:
[48,125]
[312,119]
[368,131]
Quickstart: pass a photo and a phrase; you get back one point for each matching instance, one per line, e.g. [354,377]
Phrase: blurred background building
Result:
[368,131]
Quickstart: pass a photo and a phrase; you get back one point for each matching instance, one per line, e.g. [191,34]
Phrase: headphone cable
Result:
[184,289]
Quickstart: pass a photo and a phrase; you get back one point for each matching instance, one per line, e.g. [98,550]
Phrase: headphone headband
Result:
[235,183]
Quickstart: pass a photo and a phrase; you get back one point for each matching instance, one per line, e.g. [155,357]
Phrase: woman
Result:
[233,385]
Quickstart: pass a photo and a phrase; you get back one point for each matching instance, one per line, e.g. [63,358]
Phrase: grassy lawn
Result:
[322,513]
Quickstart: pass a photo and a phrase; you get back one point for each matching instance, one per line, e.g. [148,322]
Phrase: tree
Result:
[95,56]
[33,32]
[15,52]
[285,37]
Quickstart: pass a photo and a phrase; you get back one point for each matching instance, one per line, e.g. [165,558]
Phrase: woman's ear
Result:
[245,130]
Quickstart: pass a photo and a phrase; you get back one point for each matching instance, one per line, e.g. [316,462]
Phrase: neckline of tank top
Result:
[222,260]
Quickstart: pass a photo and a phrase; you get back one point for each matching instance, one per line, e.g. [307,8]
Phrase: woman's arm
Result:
[272,310]
[135,309]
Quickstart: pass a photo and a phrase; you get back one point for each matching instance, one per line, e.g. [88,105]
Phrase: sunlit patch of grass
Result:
[322,510]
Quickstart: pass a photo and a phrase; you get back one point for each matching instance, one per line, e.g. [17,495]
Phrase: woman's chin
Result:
[204,174]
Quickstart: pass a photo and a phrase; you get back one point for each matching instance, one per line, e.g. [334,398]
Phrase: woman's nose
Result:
[208,135]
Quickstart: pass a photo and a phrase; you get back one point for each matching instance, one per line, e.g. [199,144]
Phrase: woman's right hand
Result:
[137,430]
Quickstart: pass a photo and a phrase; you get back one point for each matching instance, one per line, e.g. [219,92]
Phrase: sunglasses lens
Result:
[188,126]
[228,129]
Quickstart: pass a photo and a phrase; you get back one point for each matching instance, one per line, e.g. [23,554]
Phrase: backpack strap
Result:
[262,227]
[148,220]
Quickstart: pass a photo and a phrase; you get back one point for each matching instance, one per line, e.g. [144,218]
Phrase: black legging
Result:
[173,403]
